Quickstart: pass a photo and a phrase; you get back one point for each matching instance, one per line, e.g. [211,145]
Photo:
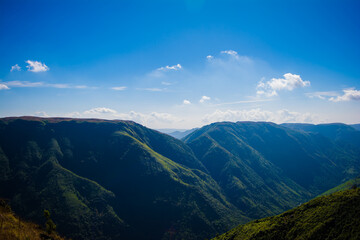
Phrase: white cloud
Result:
[100,110]
[204,99]
[233,56]
[186,102]
[289,83]
[16,67]
[209,57]
[167,83]
[230,52]
[41,114]
[81,87]
[24,84]
[349,94]
[122,88]
[169,68]
[153,119]
[243,102]
[3,87]
[73,115]
[42,84]
[35,66]
[257,114]
[322,95]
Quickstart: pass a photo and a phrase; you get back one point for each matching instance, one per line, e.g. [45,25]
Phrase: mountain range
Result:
[115,179]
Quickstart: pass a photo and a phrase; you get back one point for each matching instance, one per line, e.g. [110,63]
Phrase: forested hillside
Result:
[330,217]
[119,180]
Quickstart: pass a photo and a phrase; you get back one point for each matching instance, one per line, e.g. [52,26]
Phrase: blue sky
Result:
[181,64]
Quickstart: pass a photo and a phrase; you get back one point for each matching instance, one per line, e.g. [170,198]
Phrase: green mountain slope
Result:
[330,217]
[344,134]
[345,186]
[37,181]
[356,126]
[119,180]
[265,168]
[110,180]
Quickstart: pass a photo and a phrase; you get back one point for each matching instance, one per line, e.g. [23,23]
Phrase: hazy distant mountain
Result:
[177,133]
[338,132]
[119,180]
[356,126]
[330,217]
[181,135]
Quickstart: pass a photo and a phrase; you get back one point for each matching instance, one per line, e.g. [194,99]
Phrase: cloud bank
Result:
[100,110]
[281,116]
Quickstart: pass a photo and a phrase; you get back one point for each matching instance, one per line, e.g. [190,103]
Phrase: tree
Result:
[50,226]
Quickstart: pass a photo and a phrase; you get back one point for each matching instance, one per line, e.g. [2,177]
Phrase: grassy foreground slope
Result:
[13,228]
[336,216]
[345,186]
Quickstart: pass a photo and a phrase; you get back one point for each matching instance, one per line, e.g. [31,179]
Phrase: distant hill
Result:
[356,126]
[179,134]
[330,217]
[338,132]
[12,227]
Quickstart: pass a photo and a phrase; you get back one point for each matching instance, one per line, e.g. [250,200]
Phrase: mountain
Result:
[338,132]
[356,126]
[265,168]
[109,180]
[12,227]
[105,179]
[179,134]
[329,217]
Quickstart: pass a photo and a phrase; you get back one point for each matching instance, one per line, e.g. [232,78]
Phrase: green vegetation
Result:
[50,226]
[119,180]
[110,180]
[329,217]
[265,168]
[353,183]
[339,132]
[13,228]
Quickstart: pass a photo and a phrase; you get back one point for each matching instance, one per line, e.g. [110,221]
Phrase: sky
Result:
[180,63]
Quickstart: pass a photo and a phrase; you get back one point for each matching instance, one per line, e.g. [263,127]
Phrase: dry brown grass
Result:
[13,228]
